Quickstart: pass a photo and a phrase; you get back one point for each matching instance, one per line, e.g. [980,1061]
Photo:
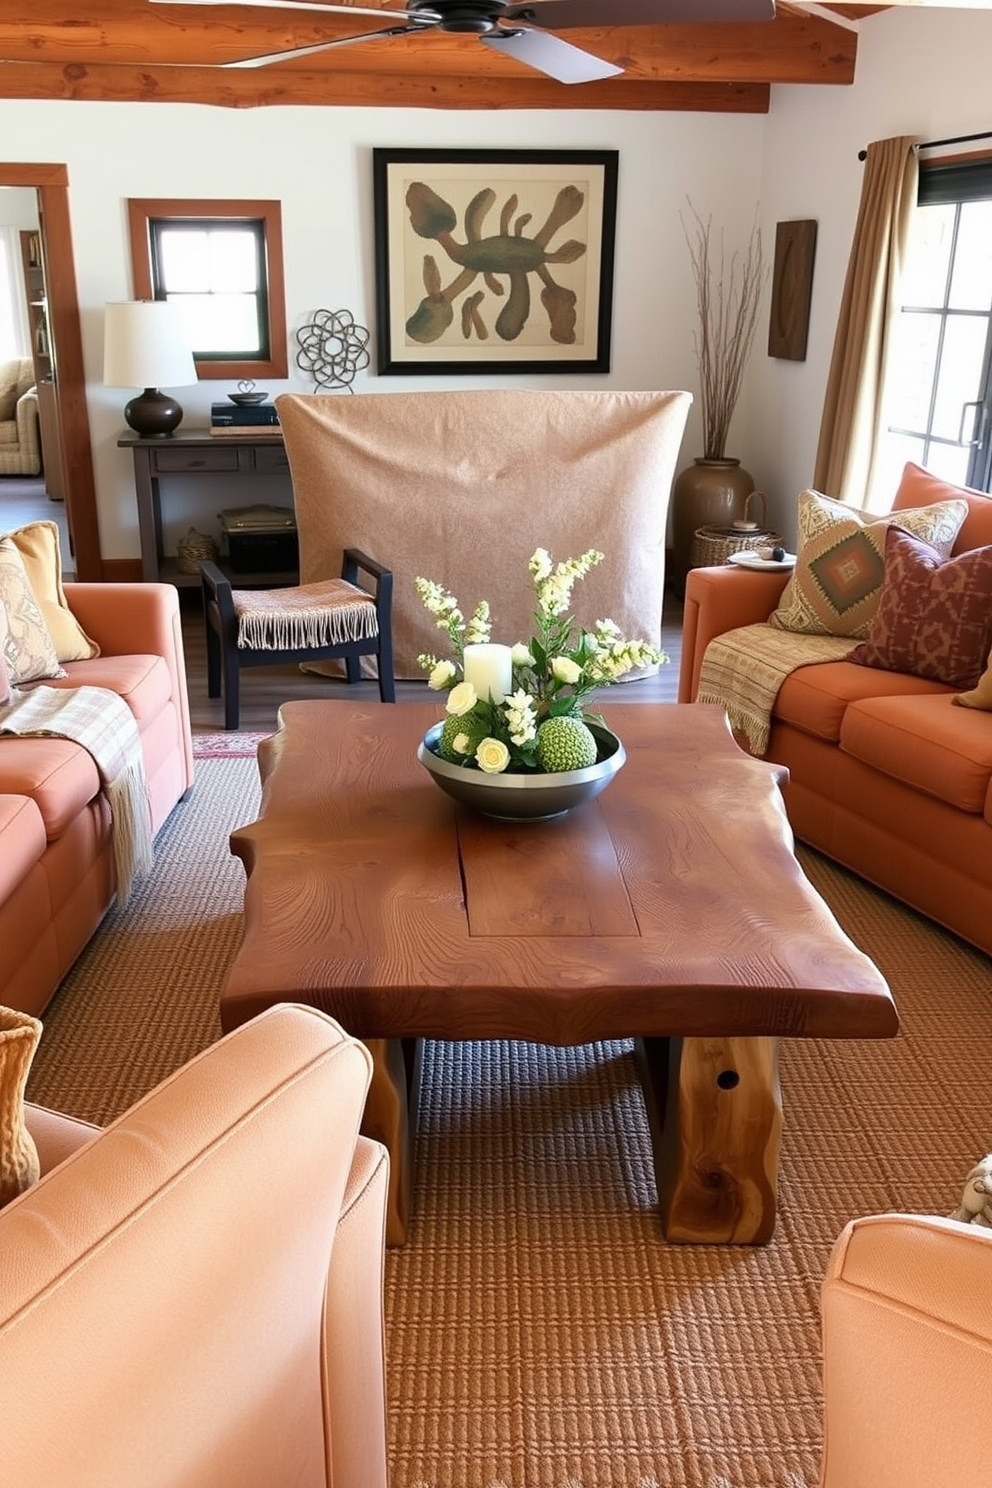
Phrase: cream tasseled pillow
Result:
[836,584]
[29,652]
[38,545]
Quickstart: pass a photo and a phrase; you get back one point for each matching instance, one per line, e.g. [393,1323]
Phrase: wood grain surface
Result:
[670,909]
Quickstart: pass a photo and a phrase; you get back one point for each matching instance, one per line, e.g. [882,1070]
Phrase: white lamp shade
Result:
[144,346]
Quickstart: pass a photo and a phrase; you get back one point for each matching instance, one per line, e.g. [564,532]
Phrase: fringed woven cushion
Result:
[330,613]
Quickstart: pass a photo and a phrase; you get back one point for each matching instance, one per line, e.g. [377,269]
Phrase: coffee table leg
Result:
[715,1110]
[390,1110]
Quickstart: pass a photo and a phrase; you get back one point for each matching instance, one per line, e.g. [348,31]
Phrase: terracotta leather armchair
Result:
[907,1354]
[192,1298]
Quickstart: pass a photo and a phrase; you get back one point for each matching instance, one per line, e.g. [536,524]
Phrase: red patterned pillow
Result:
[934,617]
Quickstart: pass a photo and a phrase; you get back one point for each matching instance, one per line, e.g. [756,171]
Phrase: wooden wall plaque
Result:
[792,287]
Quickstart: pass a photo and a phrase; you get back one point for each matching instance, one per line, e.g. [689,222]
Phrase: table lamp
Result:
[143,346]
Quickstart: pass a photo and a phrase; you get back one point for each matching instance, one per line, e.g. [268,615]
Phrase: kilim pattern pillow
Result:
[835,586]
[934,616]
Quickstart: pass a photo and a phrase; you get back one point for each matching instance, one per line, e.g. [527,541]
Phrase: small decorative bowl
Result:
[247,400]
[531,797]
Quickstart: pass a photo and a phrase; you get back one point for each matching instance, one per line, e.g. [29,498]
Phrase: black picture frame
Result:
[520,312]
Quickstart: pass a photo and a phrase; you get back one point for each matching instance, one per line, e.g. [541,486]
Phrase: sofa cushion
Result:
[58,775]
[4,679]
[142,681]
[835,586]
[27,645]
[10,387]
[816,698]
[919,487]
[22,841]
[926,744]
[934,617]
[38,545]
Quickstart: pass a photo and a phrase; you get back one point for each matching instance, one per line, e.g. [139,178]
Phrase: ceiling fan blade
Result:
[558,15]
[321,46]
[549,54]
[293,5]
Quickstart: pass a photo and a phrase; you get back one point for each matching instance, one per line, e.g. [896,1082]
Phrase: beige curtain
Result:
[853,404]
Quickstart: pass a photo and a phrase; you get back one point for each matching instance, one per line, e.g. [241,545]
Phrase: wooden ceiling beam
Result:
[284,87]
[794,48]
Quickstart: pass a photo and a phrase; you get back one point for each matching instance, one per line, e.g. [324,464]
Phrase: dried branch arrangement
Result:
[728,316]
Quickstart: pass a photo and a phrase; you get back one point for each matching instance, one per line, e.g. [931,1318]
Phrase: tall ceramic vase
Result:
[708,493]
[19,1167]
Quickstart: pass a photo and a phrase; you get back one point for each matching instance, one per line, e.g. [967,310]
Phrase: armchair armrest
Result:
[28,431]
[718,600]
[907,1351]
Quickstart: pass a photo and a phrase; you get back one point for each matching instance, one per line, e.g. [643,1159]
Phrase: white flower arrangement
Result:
[502,699]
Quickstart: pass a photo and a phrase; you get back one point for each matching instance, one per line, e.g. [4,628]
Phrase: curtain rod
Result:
[960,139]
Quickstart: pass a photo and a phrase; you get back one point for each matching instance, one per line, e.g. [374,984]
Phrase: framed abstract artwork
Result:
[491,260]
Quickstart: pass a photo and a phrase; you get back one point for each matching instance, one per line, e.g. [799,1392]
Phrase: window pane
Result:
[183,260]
[949,462]
[233,262]
[224,324]
[960,372]
[931,239]
[894,450]
[971,284]
[914,365]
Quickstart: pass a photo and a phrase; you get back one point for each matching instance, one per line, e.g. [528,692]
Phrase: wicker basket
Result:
[193,549]
[714,545]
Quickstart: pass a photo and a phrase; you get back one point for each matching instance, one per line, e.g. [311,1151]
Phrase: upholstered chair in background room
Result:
[192,1297]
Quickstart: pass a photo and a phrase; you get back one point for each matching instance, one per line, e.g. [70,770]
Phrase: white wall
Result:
[919,71]
[318,162]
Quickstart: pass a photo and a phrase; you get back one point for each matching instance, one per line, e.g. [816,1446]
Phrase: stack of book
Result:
[234,418]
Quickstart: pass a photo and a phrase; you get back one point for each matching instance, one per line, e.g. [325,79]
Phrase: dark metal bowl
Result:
[531,797]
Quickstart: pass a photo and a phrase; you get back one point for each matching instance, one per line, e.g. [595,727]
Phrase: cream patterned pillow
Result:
[38,545]
[28,649]
[836,584]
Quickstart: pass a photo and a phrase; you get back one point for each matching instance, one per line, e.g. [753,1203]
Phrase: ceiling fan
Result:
[510,28]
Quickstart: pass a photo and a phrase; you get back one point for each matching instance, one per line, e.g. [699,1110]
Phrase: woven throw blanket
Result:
[102,724]
[743,670]
[462,486]
[329,613]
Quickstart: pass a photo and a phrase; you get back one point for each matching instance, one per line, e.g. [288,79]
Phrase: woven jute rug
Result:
[540,1333]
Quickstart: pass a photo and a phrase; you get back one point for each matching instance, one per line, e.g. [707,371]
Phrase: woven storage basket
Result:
[714,545]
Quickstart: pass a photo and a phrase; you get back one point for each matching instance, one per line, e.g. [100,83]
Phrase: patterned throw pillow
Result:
[28,649]
[835,586]
[934,617]
[38,545]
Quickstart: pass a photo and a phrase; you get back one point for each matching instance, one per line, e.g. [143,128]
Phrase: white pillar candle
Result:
[489,668]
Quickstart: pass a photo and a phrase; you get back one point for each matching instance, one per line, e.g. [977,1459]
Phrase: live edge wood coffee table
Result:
[670,909]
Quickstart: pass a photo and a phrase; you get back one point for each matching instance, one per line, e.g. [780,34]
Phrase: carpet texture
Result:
[539,1332]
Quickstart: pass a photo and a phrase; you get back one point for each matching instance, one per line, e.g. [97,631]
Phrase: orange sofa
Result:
[56,863]
[885,775]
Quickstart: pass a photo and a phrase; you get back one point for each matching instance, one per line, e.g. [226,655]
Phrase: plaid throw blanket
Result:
[743,669]
[102,723]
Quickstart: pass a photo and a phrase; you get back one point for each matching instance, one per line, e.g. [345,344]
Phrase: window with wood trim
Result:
[220,263]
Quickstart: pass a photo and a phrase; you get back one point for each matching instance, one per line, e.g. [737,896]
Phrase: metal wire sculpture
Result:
[332,348]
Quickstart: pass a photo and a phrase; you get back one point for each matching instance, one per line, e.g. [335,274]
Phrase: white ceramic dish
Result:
[750,559]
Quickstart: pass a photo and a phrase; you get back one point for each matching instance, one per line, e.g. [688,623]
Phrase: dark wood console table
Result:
[197,452]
